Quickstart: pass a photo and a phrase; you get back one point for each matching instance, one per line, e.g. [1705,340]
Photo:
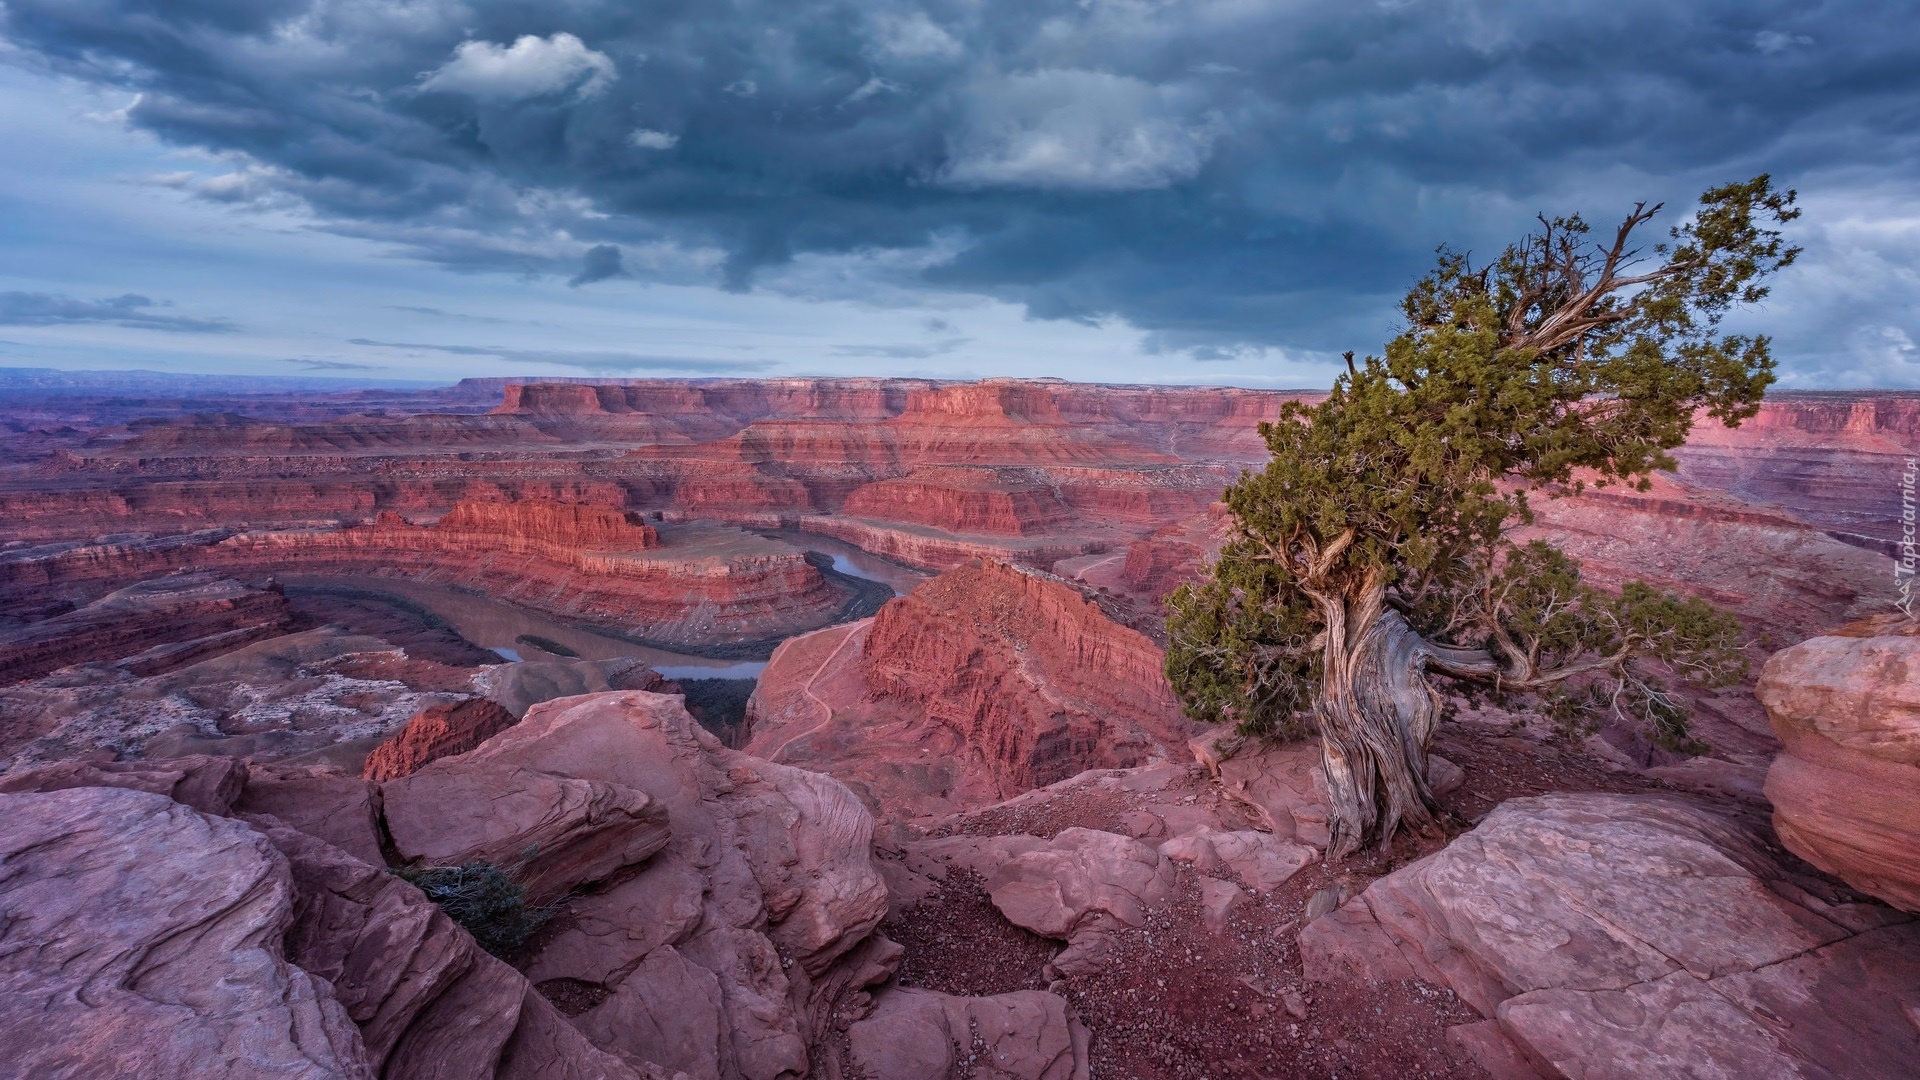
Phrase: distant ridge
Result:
[167,383]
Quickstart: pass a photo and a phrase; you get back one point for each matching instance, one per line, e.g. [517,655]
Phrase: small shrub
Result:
[483,898]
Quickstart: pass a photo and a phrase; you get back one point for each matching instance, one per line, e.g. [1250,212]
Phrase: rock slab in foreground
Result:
[430,1004]
[1081,886]
[1618,936]
[1846,786]
[922,1035]
[721,955]
[141,938]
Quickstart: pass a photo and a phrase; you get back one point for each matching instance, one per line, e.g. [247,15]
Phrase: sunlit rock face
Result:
[1846,786]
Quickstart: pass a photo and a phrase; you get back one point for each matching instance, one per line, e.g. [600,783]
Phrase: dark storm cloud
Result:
[1216,171]
[601,262]
[131,309]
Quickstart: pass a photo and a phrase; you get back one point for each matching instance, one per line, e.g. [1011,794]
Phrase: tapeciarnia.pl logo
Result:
[1904,567]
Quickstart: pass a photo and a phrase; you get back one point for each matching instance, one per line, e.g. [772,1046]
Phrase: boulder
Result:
[765,889]
[1260,860]
[1631,936]
[922,1035]
[1218,901]
[554,834]
[320,801]
[143,938]
[436,732]
[1846,786]
[1079,888]
[209,784]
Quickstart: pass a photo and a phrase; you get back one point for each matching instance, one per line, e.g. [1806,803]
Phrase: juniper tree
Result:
[1372,555]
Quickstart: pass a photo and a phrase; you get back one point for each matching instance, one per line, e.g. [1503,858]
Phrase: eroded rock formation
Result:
[706,585]
[1846,786]
[716,911]
[982,683]
[156,946]
[150,627]
[434,733]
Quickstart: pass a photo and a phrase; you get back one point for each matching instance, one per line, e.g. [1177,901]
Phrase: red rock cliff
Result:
[711,586]
[544,526]
[963,501]
[1034,677]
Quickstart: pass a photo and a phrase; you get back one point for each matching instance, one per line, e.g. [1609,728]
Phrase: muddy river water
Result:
[516,633]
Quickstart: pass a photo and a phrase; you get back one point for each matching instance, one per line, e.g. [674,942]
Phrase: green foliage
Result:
[483,898]
[1561,363]
[1244,652]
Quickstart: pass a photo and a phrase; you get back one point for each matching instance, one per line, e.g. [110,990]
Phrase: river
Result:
[515,633]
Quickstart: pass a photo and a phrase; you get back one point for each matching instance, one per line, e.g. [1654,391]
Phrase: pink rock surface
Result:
[1078,887]
[429,1003]
[208,784]
[322,802]
[1846,786]
[554,834]
[145,939]
[922,1035]
[765,889]
[1283,785]
[1622,936]
[1260,860]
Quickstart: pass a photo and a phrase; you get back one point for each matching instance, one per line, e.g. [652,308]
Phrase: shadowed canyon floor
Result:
[956,826]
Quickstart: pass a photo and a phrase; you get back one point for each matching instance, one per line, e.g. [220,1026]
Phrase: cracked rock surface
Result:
[1641,935]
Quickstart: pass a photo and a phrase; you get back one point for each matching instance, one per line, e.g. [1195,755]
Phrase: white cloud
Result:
[649,139]
[530,67]
[912,37]
[742,88]
[1080,130]
[114,116]
[874,85]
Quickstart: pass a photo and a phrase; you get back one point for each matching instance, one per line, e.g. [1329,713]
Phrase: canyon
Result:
[956,821]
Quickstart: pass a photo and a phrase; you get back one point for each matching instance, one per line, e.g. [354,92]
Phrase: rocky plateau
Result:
[818,728]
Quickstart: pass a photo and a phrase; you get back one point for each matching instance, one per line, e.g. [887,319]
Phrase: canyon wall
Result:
[984,682]
[710,586]
[932,473]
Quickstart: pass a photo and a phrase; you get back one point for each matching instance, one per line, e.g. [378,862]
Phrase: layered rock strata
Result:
[980,684]
[434,733]
[153,626]
[1846,786]
[707,586]
[157,947]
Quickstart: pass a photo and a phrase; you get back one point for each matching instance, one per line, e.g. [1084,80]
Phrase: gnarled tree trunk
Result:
[1376,712]
[1376,715]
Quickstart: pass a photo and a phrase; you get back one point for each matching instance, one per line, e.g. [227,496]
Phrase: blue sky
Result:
[1229,191]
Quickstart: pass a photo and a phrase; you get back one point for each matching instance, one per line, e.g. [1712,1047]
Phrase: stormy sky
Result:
[1230,191]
